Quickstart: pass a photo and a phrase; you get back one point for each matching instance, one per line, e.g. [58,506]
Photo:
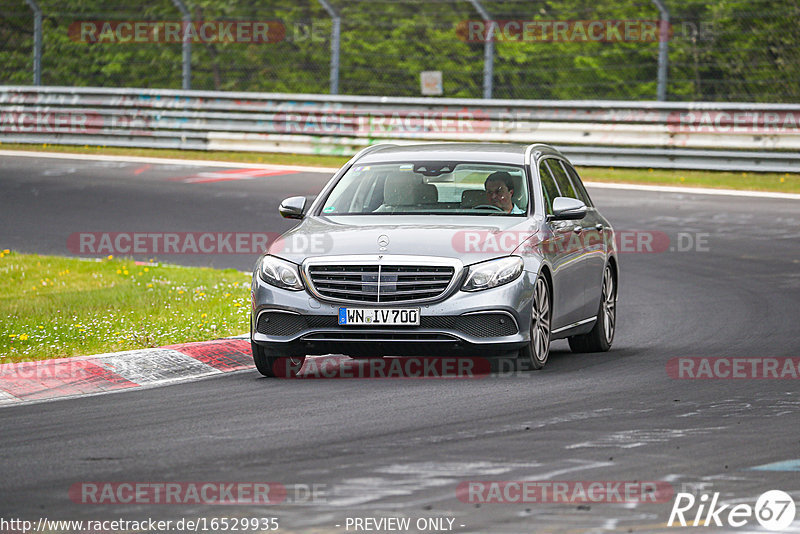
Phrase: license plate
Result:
[375,317]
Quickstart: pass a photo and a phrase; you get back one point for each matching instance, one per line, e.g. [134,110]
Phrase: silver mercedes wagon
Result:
[439,249]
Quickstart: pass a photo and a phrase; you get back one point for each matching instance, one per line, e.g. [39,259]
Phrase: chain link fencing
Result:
[730,50]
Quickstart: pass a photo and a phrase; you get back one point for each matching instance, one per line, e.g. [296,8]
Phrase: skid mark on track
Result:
[629,439]
[759,406]
[231,175]
[143,168]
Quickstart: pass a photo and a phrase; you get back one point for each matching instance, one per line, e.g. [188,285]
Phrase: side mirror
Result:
[565,209]
[292,207]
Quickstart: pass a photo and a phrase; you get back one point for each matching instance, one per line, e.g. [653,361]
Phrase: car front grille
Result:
[380,283]
[481,325]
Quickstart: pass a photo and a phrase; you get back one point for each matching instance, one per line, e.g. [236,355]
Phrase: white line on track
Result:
[695,190]
[331,170]
[167,161]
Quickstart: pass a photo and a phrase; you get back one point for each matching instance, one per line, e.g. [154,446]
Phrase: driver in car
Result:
[500,192]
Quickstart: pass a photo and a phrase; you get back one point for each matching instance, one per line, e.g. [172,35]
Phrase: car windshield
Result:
[430,187]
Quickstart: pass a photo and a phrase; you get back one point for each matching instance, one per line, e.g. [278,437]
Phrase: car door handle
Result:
[599,227]
[577,229]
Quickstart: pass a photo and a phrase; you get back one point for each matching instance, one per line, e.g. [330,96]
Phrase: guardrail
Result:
[713,136]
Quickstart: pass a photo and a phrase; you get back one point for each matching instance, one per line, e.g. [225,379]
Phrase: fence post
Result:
[186,82]
[488,49]
[335,39]
[663,50]
[37,41]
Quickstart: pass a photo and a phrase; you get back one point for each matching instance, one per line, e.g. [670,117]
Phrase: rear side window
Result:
[576,181]
[549,188]
[564,185]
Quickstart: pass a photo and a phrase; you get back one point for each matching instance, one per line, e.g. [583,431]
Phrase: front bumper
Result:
[494,321]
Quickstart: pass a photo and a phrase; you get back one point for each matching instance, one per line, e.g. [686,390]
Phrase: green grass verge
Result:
[749,181]
[55,307]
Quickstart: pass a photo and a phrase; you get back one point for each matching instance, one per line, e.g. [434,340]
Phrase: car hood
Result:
[469,238]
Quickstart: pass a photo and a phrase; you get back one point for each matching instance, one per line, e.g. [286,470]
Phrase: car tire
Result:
[275,366]
[534,355]
[601,336]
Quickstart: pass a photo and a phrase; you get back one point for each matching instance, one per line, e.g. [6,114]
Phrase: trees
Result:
[726,50]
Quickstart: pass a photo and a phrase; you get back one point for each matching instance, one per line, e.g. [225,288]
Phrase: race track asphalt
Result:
[400,448]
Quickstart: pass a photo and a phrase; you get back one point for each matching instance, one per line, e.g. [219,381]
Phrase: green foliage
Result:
[729,50]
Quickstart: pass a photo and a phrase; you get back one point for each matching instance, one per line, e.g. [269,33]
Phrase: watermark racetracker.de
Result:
[196,493]
[733,368]
[563,31]
[199,242]
[199,31]
[734,121]
[586,31]
[563,491]
[467,241]
[171,31]
[624,241]
[423,367]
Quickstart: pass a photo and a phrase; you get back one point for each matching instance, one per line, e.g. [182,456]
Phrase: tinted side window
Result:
[549,187]
[564,185]
[576,181]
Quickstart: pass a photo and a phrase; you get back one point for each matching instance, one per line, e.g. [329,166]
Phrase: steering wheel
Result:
[488,206]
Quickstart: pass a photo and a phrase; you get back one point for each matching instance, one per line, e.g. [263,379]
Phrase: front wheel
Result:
[536,352]
[275,366]
[599,339]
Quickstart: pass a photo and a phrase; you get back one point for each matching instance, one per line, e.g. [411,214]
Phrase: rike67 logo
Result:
[774,510]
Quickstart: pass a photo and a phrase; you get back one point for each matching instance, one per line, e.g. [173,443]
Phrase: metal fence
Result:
[730,50]
[747,137]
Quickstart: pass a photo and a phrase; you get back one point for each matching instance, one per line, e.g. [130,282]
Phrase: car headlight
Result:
[493,273]
[280,273]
